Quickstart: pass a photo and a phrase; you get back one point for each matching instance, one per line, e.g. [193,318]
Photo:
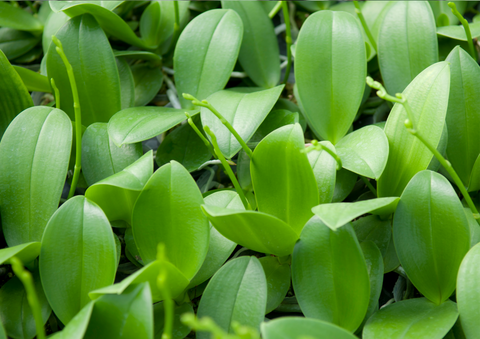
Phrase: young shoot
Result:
[466,26]
[316,146]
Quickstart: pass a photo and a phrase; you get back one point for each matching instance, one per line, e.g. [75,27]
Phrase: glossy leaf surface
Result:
[78,255]
[259,53]
[168,210]
[413,318]
[282,177]
[216,36]
[336,215]
[127,83]
[34,155]
[258,231]
[325,170]
[330,276]
[237,292]
[458,32]
[467,294]
[77,327]
[244,108]
[431,235]
[25,252]
[142,123]
[14,96]
[278,281]
[220,248]
[428,97]
[374,261]
[330,70]
[364,151]
[101,158]
[88,50]
[407,43]
[148,81]
[297,328]
[117,194]
[463,121]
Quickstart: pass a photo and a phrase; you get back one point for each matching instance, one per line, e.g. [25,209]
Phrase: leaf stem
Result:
[369,185]
[27,281]
[410,125]
[206,104]
[57,93]
[78,116]
[227,168]
[200,134]
[275,9]
[466,26]
[358,10]
[288,39]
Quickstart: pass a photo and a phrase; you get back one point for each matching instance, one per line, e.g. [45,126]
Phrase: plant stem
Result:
[200,134]
[288,39]
[27,281]
[358,10]
[78,116]
[410,125]
[319,147]
[466,26]
[275,10]
[227,168]
[369,185]
[57,93]
[206,104]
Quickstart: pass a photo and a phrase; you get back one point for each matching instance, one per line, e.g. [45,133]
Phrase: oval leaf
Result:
[148,80]
[278,281]
[458,32]
[325,170]
[431,235]
[25,252]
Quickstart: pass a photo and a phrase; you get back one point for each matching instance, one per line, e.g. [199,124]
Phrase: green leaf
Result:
[137,55]
[142,123]
[25,252]
[259,53]
[33,81]
[364,151]
[258,231]
[330,276]
[441,7]
[16,43]
[330,70]
[127,83]
[14,96]
[282,177]
[237,292]
[185,146]
[278,281]
[148,81]
[462,119]
[54,22]
[431,235]
[474,227]
[180,330]
[275,119]
[78,255]
[175,280]
[15,311]
[77,327]
[413,318]
[168,211]
[236,106]
[117,194]
[407,43]
[344,184]
[336,215]
[458,32]
[298,328]
[215,36]
[85,43]
[468,295]
[428,97]
[129,315]
[101,158]
[325,170]
[149,24]
[219,248]
[17,18]
[34,155]
[110,22]
[372,228]
[167,22]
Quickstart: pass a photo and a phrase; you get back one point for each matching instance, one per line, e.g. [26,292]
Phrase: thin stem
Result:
[369,185]
[27,281]
[206,104]
[288,39]
[358,10]
[319,147]
[57,93]
[466,26]
[275,10]
[227,168]
[410,125]
[78,116]
[200,134]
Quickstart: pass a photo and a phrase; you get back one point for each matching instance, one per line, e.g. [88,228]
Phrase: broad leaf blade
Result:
[297,328]
[148,80]
[278,281]
[25,252]
[325,170]
[458,32]
[17,18]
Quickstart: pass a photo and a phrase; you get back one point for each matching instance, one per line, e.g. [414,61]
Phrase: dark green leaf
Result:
[25,252]
[180,330]
[17,18]
[33,81]
[278,281]
[148,80]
